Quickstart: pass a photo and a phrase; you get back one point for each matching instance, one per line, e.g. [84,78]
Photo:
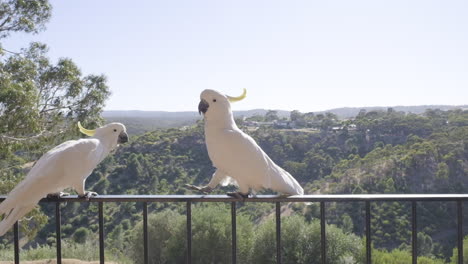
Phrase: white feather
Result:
[228,181]
[236,155]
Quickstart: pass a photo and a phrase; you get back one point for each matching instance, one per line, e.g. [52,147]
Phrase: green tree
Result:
[80,235]
[347,223]
[454,258]
[442,171]
[40,101]
[301,243]
[23,16]
[397,256]
[271,115]
[298,118]
[211,236]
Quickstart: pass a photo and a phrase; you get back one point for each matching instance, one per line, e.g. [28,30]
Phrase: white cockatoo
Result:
[65,166]
[237,157]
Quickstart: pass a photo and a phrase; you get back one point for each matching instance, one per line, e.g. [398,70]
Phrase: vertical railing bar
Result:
[323,239]
[58,238]
[234,232]
[414,232]
[145,232]
[189,232]
[101,233]
[278,232]
[368,234]
[16,242]
[460,231]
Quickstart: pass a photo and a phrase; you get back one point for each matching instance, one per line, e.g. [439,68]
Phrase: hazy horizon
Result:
[344,107]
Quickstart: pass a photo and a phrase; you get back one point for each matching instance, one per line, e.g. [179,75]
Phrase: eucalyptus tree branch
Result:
[4,22]
[12,52]
[44,133]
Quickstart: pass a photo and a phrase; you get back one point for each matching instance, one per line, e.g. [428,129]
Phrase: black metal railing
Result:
[321,199]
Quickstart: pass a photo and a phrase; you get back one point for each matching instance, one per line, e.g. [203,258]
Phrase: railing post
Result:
[234,232]
[278,232]
[189,232]
[145,232]
[58,235]
[460,231]
[414,232]
[101,233]
[16,242]
[368,234]
[323,238]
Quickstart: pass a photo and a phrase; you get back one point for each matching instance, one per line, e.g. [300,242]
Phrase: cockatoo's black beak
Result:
[123,137]
[203,106]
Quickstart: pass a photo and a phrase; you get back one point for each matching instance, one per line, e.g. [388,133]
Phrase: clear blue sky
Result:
[306,55]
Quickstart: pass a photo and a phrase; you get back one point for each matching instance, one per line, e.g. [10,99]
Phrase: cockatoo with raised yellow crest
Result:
[237,157]
[65,166]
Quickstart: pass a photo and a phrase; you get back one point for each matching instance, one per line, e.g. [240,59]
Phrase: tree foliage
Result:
[23,16]
[38,96]
[301,243]
[211,239]
[211,236]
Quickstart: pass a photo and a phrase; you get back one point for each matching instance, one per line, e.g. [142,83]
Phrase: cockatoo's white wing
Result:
[60,168]
[240,157]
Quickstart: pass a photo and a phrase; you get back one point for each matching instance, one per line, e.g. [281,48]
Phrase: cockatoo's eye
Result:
[214,100]
[115,130]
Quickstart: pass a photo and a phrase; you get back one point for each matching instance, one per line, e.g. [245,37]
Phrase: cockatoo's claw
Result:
[57,195]
[234,195]
[204,189]
[88,195]
[193,187]
[238,195]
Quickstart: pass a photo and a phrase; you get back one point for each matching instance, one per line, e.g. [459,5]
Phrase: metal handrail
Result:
[321,199]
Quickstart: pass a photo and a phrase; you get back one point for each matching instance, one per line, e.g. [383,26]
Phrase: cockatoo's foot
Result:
[57,195]
[204,189]
[238,195]
[88,195]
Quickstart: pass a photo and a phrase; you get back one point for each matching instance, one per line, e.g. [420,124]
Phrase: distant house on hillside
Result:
[250,123]
[350,127]
[282,124]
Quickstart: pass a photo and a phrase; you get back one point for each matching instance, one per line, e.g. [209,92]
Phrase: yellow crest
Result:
[86,131]
[238,98]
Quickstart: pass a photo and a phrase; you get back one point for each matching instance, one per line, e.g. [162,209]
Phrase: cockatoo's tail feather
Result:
[13,216]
